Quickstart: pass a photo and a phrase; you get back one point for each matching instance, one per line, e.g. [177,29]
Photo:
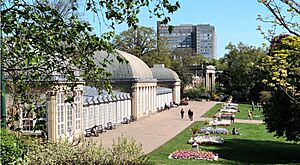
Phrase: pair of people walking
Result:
[190,114]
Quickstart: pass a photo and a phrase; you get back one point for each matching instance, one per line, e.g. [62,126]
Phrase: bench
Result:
[90,131]
[110,126]
[126,120]
[101,129]
[132,118]
[184,102]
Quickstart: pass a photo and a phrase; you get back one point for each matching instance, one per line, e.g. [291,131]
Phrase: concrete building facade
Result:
[201,38]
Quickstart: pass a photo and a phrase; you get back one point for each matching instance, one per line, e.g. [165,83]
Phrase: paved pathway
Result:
[157,129]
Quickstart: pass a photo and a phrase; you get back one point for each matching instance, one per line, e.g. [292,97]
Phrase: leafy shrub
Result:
[197,93]
[127,152]
[63,152]
[194,129]
[18,150]
[123,152]
[13,148]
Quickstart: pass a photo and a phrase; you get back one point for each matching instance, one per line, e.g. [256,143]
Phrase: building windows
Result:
[27,125]
[69,117]
[84,117]
[60,113]
[77,110]
[96,114]
[91,117]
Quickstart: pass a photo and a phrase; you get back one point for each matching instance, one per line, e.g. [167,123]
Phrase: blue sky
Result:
[234,20]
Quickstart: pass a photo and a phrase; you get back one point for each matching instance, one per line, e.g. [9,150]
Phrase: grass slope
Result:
[255,146]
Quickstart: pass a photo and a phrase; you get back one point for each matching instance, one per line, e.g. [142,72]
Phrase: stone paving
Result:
[158,128]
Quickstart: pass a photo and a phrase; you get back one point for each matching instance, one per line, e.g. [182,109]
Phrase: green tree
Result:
[39,43]
[282,64]
[284,14]
[282,116]
[137,41]
[161,54]
[142,42]
[241,75]
[282,67]
[182,59]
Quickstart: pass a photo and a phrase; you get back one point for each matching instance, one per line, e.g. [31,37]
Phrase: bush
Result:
[197,94]
[13,148]
[123,151]
[127,152]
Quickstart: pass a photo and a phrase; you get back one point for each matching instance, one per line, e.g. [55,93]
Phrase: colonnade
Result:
[163,99]
[111,111]
[143,99]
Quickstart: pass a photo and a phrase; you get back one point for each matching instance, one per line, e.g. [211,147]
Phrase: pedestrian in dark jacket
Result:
[182,113]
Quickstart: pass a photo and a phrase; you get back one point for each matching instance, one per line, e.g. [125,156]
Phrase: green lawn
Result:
[213,111]
[243,114]
[255,146]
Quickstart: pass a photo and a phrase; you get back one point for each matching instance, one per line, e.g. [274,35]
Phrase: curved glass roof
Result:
[135,68]
[164,74]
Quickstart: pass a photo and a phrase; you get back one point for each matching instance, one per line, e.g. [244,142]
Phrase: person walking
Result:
[192,114]
[182,113]
[252,102]
[249,114]
[189,114]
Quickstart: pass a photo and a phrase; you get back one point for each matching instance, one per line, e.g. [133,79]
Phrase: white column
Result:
[144,101]
[150,99]
[147,101]
[139,102]
[129,112]
[154,98]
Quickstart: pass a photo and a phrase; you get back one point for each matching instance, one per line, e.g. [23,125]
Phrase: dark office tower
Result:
[201,38]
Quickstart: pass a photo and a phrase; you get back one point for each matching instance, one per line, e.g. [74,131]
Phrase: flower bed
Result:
[228,110]
[219,123]
[206,140]
[189,154]
[213,130]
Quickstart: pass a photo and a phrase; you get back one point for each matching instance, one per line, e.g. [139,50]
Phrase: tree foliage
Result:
[13,149]
[161,54]
[40,40]
[142,42]
[283,65]
[182,59]
[282,116]
[241,75]
[38,44]
[137,41]
[284,14]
